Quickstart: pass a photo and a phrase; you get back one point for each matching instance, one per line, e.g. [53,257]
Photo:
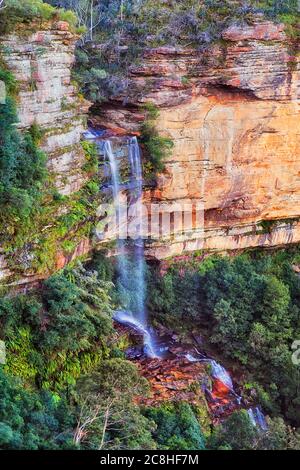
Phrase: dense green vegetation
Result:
[65,383]
[177,427]
[54,337]
[238,433]
[124,28]
[56,334]
[65,369]
[25,11]
[249,305]
[32,420]
[29,200]
[22,165]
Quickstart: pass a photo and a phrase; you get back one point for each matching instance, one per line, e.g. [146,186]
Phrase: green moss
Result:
[292,27]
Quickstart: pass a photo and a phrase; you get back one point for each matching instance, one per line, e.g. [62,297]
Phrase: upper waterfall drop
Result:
[136,196]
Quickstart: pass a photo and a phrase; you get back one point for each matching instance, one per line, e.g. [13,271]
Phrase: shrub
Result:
[55,335]
[249,307]
[157,148]
[177,427]
[91,156]
[19,11]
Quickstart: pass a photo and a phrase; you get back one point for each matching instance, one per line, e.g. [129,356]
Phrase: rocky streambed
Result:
[185,372]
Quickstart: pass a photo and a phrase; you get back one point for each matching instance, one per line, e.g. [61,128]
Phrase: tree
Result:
[22,167]
[78,309]
[236,433]
[89,13]
[31,420]
[54,335]
[108,417]
[177,427]
[279,436]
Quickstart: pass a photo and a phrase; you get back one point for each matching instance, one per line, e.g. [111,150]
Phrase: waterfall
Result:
[220,373]
[131,259]
[136,190]
[257,418]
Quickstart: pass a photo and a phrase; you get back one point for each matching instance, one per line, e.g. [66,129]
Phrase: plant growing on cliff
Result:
[157,148]
[19,11]
[91,157]
[22,166]
[28,199]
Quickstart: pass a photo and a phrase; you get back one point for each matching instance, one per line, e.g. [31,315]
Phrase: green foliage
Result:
[71,18]
[91,156]
[22,168]
[21,360]
[8,78]
[157,148]
[109,419]
[168,299]
[69,220]
[152,111]
[236,433]
[279,436]
[24,11]
[103,265]
[56,335]
[250,307]
[273,8]
[177,427]
[31,420]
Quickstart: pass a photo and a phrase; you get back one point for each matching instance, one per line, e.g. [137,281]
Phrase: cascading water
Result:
[136,193]
[257,418]
[220,373]
[131,266]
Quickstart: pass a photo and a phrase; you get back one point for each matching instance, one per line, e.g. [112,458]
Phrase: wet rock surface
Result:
[184,373]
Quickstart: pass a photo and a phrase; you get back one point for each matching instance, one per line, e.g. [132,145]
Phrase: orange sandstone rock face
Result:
[233,114]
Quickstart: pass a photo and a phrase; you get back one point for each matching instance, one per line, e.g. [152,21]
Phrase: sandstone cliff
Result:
[232,111]
[41,60]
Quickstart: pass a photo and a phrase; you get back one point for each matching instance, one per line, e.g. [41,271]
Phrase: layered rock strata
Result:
[41,57]
[233,112]
[41,62]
